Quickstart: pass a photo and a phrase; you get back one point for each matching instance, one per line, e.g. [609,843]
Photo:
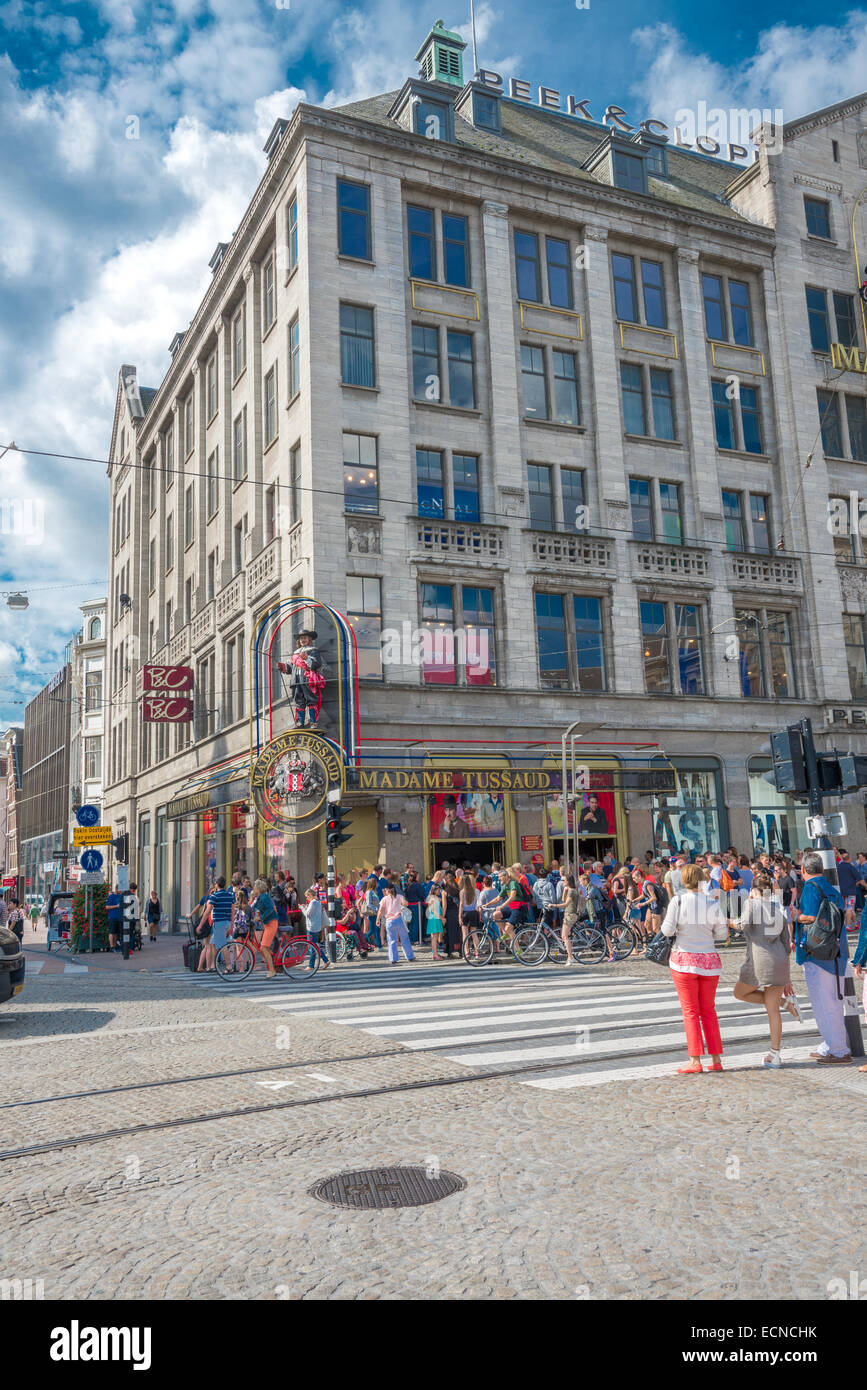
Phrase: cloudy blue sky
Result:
[104,241]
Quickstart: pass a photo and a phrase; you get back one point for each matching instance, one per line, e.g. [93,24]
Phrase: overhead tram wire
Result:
[497,516]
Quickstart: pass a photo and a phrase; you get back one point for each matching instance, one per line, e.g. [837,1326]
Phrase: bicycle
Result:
[481,944]
[538,942]
[299,957]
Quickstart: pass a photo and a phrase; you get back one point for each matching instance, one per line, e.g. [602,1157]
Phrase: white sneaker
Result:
[772,1059]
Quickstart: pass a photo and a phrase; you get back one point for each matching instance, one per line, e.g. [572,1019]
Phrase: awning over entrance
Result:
[220,786]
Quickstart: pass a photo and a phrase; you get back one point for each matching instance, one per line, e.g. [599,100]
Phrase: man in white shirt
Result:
[672,879]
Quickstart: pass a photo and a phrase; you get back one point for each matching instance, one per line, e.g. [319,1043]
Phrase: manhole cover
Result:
[385,1187]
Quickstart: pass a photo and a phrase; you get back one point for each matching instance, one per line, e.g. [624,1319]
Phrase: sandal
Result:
[691,1070]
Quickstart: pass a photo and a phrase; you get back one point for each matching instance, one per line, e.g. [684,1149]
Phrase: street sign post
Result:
[91,860]
[92,835]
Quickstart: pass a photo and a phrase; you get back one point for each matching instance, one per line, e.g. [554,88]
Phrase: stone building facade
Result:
[473,365]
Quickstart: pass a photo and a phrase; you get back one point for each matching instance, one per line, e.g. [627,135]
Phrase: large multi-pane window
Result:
[93,758]
[565,372]
[239,533]
[527,267]
[206,698]
[817,319]
[353,220]
[559,272]
[211,576]
[239,446]
[212,483]
[733,515]
[422,243]
[465,484]
[817,213]
[760,522]
[270,403]
[458,643]
[737,417]
[295,483]
[152,563]
[462,387]
[735,325]
[629,172]
[268,299]
[426,363]
[430,483]
[856,421]
[168,458]
[189,425]
[574,497]
[656,511]
[292,232]
[844,318]
[641,507]
[360,475]
[364,611]
[170,540]
[294,358]
[541,497]
[232,704]
[765,654]
[356,346]
[856,655]
[211,385]
[747,527]
[239,343]
[92,691]
[534,382]
[632,395]
[627,296]
[671,640]
[456,250]
[569,642]
[189,516]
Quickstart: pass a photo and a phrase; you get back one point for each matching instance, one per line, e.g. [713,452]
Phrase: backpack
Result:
[660,895]
[726,882]
[822,935]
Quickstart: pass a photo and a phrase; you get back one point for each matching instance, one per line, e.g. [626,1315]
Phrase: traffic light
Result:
[120,845]
[335,826]
[853,771]
[789,772]
[830,778]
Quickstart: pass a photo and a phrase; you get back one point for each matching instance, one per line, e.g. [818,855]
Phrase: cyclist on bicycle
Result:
[314,914]
[267,914]
[515,910]
[571,905]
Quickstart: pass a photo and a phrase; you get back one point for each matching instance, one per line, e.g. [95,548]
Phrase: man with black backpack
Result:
[822,949]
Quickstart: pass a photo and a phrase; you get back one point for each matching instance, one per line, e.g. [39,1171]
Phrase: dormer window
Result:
[629,171]
[486,112]
[433,119]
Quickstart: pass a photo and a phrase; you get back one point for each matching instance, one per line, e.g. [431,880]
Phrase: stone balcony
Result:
[658,560]
[589,555]
[230,600]
[179,647]
[264,571]
[457,540]
[203,625]
[781,573]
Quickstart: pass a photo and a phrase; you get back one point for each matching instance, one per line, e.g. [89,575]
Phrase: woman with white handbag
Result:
[391,914]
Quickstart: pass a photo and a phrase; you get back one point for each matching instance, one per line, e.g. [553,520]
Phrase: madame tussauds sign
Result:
[708,130]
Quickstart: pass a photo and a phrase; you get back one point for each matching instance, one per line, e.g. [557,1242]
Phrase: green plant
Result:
[99,893]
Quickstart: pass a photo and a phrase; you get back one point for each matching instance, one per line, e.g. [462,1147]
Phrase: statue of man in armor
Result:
[306,681]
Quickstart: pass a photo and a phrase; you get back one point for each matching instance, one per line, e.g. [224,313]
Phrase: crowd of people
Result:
[768,903]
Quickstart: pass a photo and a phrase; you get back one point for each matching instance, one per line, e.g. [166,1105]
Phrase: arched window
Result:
[95,629]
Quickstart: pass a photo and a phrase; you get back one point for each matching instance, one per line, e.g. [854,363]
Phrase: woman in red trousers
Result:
[694,920]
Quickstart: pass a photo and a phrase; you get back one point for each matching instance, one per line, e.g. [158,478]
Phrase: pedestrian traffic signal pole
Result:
[808,775]
[334,836]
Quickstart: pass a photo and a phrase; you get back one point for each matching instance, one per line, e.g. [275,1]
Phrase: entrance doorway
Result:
[588,848]
[457,853]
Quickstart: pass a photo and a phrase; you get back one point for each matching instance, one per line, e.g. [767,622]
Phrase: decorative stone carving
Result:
[617,516]
[853,583]
[363,539]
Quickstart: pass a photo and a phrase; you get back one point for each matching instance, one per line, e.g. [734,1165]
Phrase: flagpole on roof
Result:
[473,24]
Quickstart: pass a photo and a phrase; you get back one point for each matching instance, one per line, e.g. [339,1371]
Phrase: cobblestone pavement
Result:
[705,1187]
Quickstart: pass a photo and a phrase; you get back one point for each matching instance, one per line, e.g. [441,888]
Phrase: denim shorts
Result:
[220,931]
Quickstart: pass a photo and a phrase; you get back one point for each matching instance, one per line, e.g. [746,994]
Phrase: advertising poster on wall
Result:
[597,818]
[467,816]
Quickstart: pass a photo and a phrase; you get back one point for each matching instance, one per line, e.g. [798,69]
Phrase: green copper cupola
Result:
[441,56]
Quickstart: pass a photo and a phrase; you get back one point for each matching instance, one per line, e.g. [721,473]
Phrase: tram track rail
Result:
[474,1077]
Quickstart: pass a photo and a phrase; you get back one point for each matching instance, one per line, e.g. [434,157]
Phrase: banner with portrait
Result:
[597,817]
[467,816]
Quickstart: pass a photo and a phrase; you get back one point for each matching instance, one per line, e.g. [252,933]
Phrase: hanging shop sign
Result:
[222,794]
[291,779]
[168,680]
[162,701]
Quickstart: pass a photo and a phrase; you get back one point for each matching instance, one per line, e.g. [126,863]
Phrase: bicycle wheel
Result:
[478,948]
[300,960]
[530,946]
[588,944]
[234,961]
[623,941]
[341,947]
[557,952]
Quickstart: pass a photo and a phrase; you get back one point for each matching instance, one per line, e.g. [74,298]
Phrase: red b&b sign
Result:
[163,701]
